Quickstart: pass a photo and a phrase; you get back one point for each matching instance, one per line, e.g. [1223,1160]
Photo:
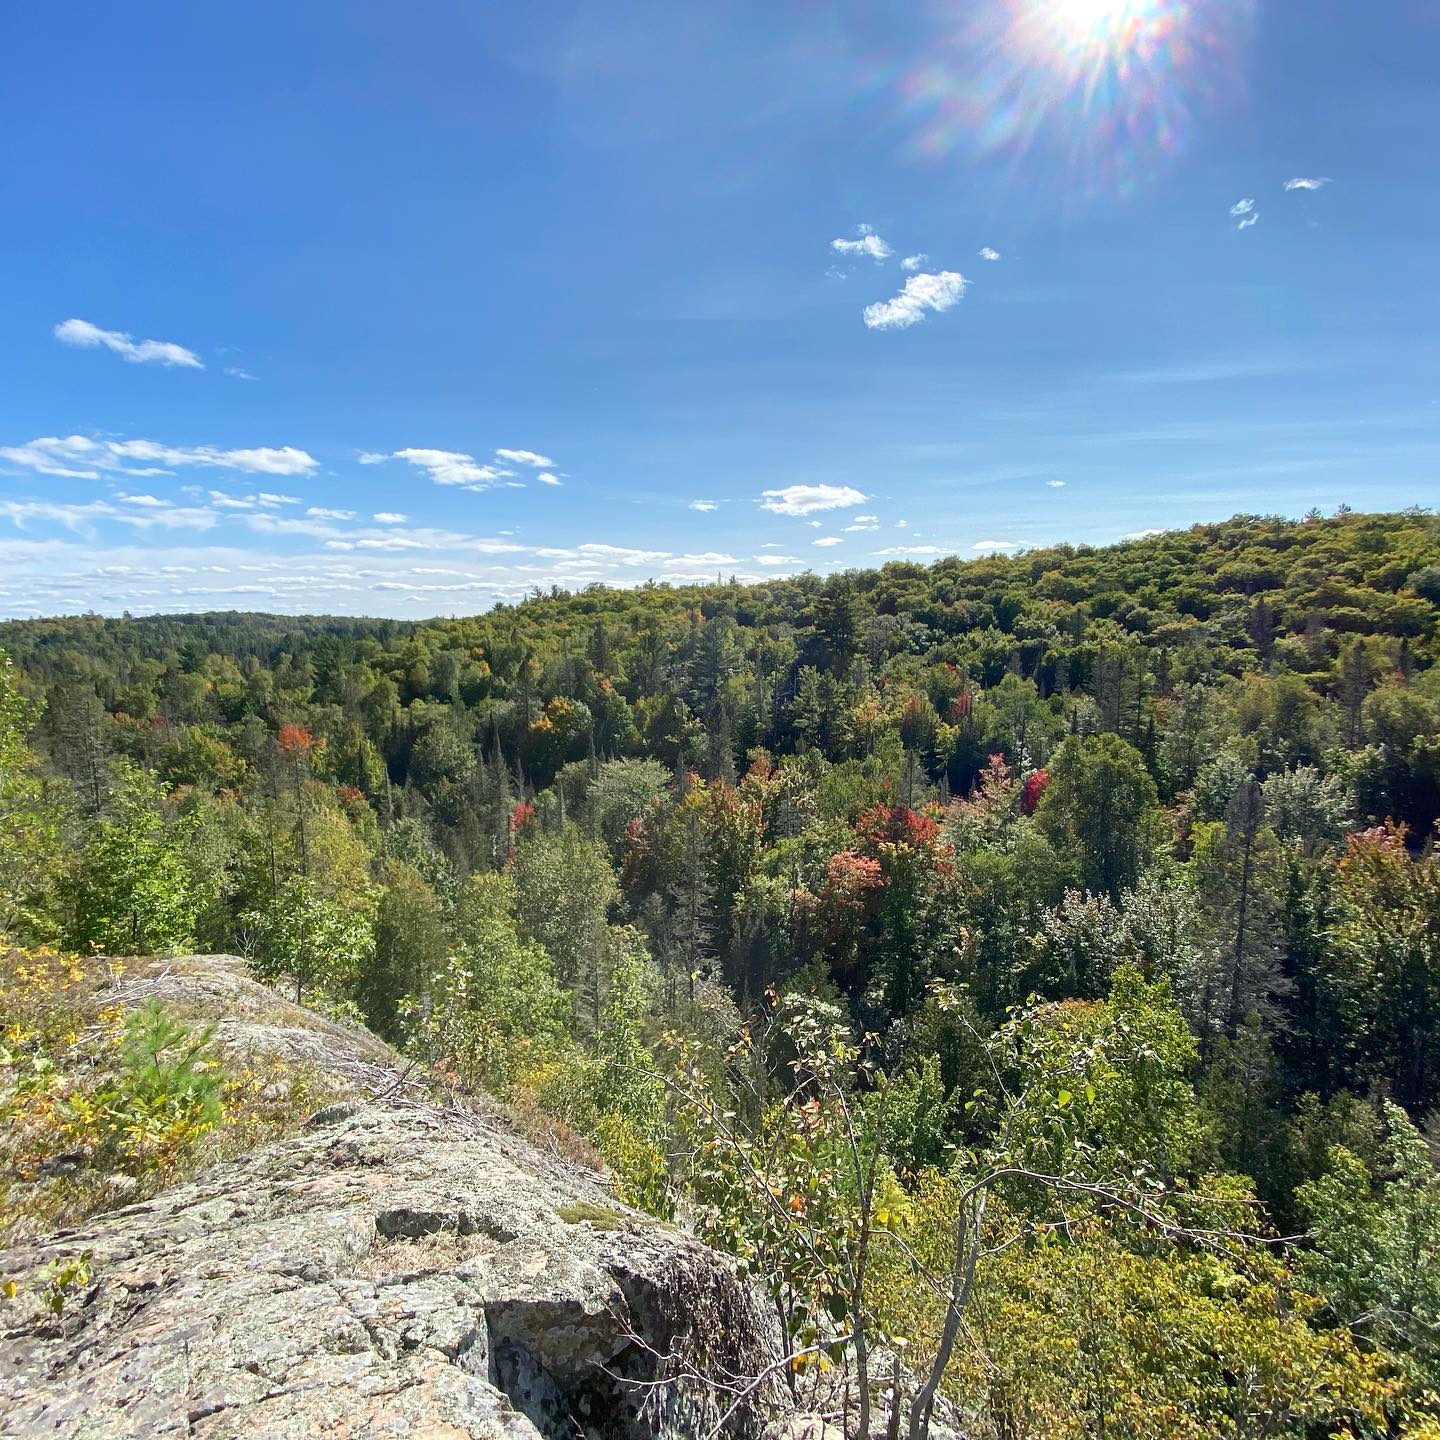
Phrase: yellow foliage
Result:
[78,1133]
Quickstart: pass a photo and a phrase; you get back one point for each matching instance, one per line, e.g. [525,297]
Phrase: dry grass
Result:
[60,1038]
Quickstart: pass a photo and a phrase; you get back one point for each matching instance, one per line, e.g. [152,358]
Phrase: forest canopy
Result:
[1066,923]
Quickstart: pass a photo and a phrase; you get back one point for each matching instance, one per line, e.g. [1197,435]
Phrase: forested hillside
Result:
[1029,965]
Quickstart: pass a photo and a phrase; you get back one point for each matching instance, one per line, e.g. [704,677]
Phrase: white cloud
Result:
[914,262]
[546,478]
[525,457]
[1242,207]
[702,563]
[81,518]
[924,292]
[389,517]
[265,461]
[80,458]
[705,506]
[236,373]
[599,553]
[776,559]
[1248,221]
[864,522]
[868,243]
[143,352]
[453,467]
[372,457]
[827,540]
[264,500]
[992,547]
[807,499]
[1141,534]
[1056,484]
[264,523]
[321,512]
[987,253]
[1308,182]
[893,550]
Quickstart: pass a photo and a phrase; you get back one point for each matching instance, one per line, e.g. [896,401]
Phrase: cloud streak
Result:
[525,457]
[1308,182]
[78,457]
[923,294]
[85,336]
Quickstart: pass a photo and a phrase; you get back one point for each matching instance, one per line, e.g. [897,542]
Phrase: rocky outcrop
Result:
[397,1268]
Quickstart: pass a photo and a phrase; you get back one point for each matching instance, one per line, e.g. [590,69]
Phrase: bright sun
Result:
[1082,21]
[1073,34]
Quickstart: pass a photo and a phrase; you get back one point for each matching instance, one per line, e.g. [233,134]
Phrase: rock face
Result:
[395,1269]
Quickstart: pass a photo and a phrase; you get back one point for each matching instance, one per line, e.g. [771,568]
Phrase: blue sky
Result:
[280,282]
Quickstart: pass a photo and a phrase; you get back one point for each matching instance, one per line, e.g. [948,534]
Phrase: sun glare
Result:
[1110,86]
[1066,32]
[1088,18]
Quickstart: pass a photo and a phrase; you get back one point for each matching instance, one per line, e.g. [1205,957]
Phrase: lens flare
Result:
[1085,21]
[1112,86]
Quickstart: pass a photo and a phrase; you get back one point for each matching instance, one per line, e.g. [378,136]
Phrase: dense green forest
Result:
[1029,965]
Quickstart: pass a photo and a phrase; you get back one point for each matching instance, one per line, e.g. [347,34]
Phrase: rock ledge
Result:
[396,1269]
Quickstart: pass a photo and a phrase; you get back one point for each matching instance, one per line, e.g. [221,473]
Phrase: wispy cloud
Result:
[599,552]
[81,518]
[988,253]
[915,551]
[912,263]
[705,506]
[922,293]
[864,522]
[1308,182]
[776,559]
[141,352]
[1056,484]
[525,457]
[323,512]
[1248,220]
[808,499]
[77,457]
[546,478]
[825,541]
[450,467]
[389,517]
[236,373]
[867,242]
[992,547]
[1242,207]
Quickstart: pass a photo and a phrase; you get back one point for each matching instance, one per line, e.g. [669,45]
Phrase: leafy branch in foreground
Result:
[867,1267]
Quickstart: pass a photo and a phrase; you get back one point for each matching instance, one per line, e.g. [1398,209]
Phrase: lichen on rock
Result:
[395,1268]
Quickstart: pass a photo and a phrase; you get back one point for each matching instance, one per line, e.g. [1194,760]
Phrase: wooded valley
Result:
[1029,966]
